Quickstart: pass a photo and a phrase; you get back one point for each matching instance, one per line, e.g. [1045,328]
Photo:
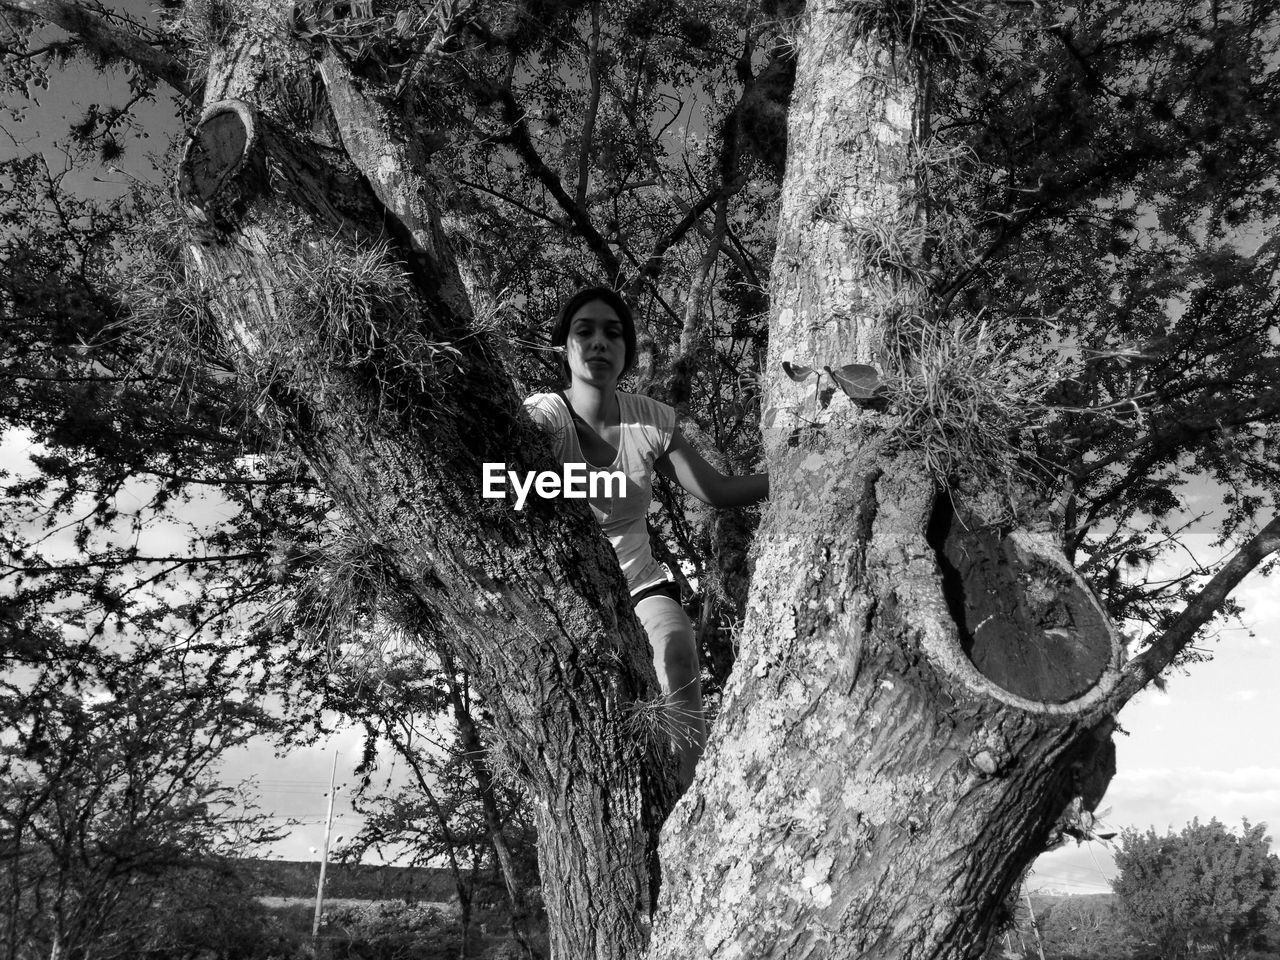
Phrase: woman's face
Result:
[595,349]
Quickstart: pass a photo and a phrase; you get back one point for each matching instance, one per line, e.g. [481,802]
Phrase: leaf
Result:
[796,372]
[298,25]
[858,381]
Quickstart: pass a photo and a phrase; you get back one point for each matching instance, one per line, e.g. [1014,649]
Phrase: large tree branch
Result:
[109,40]
[692,215]
[760,98]
[396,170]
[689,334]
[593,109]
[531,602]
[1145,667]
[520,139]
[1162,445]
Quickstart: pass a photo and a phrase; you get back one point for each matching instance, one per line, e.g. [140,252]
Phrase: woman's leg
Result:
[675,659]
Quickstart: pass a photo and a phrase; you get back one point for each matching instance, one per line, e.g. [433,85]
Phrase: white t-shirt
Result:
[646,428]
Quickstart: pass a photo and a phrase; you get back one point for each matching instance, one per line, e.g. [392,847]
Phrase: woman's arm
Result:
[685,466]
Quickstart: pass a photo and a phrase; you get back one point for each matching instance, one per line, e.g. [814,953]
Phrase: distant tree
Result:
[1088,927]
[113,830]
[455,810]
[1203,890]
[208,911]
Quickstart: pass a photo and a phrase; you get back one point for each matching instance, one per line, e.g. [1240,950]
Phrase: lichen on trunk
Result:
[876,782]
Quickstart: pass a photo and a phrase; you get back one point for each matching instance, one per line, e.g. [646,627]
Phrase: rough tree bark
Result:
[917,700]
[531,603]
[924,690]
[878,778]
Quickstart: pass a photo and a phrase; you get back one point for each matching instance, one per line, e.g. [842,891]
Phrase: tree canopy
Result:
[115,830]
[1046,226]
[1106,202]
[1205,888]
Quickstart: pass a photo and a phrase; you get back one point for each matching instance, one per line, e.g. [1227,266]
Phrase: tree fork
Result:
[951,757]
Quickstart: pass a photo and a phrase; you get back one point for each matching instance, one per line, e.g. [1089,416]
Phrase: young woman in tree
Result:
[593,422]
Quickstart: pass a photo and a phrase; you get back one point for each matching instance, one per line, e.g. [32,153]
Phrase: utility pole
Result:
[1035,927]
[324,856]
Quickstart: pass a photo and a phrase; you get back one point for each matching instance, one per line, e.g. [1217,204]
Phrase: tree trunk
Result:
[878,780]
[531,603]
[869,792]
[925,685]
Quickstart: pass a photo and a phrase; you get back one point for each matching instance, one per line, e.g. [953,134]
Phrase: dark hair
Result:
[560,336]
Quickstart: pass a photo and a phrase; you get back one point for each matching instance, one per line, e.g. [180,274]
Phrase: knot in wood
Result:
[986,763]
[1025,618]
[223,167]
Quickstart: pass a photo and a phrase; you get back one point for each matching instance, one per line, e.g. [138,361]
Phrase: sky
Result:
[1207,746]
[1204,747]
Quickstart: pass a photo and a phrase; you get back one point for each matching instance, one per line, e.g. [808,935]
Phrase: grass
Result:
[333,310]
[660,720]
[393,930]
[963,400]
[930,26]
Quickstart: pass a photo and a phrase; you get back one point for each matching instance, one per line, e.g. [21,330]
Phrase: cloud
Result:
[1170,797]
[15,449]
[1242,776]
[1256,594]
[1261,601]
[1166,799]
[1244,696]
[1077,868]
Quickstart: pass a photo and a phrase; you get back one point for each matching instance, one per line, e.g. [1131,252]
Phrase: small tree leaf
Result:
[857,380]
[796,372]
